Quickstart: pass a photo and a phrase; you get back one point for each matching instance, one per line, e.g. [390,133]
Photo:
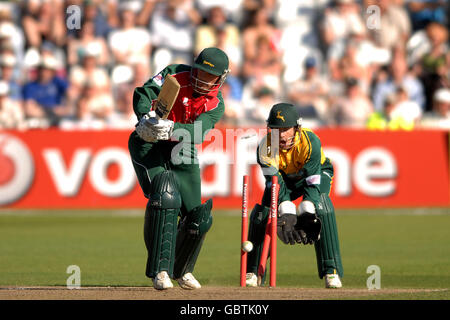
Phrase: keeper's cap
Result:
[212,60]
[283,115]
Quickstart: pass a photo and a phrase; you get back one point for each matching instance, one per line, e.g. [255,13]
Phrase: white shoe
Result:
[189,282]
[162,281]
[332,281]
[251,280]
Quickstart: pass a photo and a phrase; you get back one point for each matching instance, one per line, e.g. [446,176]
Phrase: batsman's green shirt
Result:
[193,115]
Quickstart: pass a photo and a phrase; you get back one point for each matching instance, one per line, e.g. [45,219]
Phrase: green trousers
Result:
[292,189]
[150,159]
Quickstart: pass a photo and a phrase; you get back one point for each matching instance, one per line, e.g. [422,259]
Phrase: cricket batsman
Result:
[295,155]
[165,161]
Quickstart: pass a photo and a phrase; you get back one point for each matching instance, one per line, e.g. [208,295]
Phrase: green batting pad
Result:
[257,230]
[327,248]
[192,231]
[160,225]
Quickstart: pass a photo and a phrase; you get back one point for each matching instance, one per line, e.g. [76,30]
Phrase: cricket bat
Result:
[166,97]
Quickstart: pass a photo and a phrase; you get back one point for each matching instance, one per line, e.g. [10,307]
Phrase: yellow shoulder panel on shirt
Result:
[316,143]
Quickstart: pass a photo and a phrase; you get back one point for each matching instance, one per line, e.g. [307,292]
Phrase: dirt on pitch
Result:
[205,293]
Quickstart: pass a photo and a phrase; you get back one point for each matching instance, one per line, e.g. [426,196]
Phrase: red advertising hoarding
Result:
[92,169]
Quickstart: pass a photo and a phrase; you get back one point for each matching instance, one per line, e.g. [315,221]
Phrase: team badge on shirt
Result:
[158,79]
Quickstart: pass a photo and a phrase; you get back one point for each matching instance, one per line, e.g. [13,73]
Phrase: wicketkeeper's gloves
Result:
[286,229]
[309,227]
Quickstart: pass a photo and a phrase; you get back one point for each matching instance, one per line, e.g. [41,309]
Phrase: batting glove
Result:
[144,127]
[162,129]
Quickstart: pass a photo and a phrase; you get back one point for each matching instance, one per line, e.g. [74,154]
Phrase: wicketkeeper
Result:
[165,160]
[295,155]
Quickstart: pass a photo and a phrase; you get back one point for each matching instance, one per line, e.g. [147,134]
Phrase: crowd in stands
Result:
[374,64]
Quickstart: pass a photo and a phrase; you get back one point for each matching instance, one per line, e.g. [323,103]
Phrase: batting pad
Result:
[160,225]
[192,231]
[327,248]
[257,230]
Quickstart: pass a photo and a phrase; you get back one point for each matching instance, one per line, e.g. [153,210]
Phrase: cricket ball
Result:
[247,246]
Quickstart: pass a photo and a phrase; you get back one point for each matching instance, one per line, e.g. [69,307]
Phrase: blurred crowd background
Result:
[375,64]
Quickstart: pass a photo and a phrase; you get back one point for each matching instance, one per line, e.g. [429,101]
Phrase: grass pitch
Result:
[411,248]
